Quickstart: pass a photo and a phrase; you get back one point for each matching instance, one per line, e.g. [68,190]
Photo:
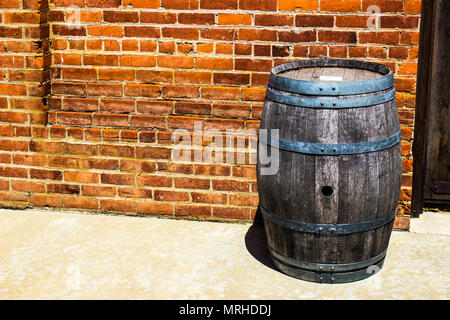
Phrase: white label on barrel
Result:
[330,78]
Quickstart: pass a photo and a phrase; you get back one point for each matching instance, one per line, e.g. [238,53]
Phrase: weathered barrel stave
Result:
[371,196]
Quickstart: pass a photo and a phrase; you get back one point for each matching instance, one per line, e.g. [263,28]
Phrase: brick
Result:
[257,35]
[29,159]
[80,149]
[80,202]
[231,78]
[412,6]
[274,20]
[97,191]
[175,62]
[45,174]
[244,200]
[410,38]
[175,196]
[135,193]
[408,68]
[148,121]
[117,105]
[357,52]
[192,210]
[314,20]
[234,19]
[13,172]
[196,18]
[175,168]
[297,36]
[253,64]
[105,31]
[337,36]
[103,3]
[22,17]
[63,188]
[180,4]
[405,84]
[60,30]
[220,34]
[214,63]
[384,5]
[398,53]
[224,48]
[352,21]
[399,22]
[147,136]
[220,93]
[159,17]
[180,91]
[212,170]
[219,5]
[82,177]
[231,185]
[141,32]
[121,16]
[191,183]
[265,5]
[340,5]
[130,45]
[105,89]
[46,200]
[154,207]
[79,74]
[121,179]
[101,60]
[231,110]
[150,4]
[154,181]
[379,37]
[12,89]
[193,77]
[212,198]
[9,145]
[11,4]
[48,147]
[167,47]
[231,213]
[142,90]
[118,205]
[302,5]
[253,94]
[155,107]
[181,33]
[197,108]
[102,164]
[153,153]
[28,186]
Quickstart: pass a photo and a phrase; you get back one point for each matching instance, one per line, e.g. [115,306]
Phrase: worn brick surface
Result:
[88,111]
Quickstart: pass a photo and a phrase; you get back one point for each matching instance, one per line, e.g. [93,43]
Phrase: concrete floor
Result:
[55,255]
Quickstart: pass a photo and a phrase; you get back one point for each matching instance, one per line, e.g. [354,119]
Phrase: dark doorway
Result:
[431,149]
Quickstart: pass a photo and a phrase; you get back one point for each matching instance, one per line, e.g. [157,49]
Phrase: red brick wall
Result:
[88,112]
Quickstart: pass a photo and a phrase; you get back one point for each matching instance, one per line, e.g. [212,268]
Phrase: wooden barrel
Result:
[328,210]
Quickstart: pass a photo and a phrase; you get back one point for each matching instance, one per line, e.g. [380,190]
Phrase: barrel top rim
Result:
[379,68]
[277,81]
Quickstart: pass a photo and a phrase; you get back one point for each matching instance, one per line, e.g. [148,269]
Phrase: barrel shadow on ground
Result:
[255,242]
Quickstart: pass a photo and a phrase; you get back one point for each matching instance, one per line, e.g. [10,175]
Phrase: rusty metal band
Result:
[333,149]
[329,103]
[321,228]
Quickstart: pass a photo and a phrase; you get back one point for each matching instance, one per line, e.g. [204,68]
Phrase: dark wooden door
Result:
[431,148]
